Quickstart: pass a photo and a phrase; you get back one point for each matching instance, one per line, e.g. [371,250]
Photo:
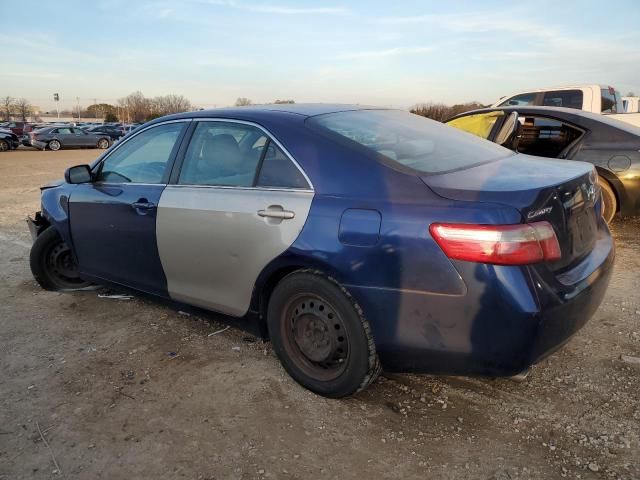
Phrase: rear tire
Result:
[609,201]
[54,145]
[321,336]
[52,263]
[103,143]
[4,146]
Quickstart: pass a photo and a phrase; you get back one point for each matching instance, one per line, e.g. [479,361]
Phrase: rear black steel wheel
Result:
[321,336]
[52,263]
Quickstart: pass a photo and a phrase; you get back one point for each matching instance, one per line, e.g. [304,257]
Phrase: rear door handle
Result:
[142,207]
[280,214]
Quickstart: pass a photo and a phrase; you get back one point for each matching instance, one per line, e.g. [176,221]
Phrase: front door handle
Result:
[279,213]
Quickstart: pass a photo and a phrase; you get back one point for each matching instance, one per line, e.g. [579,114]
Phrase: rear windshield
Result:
[411,140]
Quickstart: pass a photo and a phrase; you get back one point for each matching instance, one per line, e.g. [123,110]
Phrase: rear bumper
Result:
[509,318]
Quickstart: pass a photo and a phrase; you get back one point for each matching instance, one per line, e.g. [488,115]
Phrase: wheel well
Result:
[261,302]
[603,175]
[41,222]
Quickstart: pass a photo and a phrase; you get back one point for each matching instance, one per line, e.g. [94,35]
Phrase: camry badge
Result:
[537,213]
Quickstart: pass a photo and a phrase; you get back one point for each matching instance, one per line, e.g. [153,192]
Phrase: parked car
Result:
[353,238]
[590,98]
[631,104]
[114,133]
[55,138]
[8,140]
[127,129]
[613,147]
[15,127]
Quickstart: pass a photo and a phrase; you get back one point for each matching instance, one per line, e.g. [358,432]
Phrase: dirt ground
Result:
[123,389]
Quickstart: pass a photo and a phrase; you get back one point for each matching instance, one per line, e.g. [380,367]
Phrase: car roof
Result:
[303,109]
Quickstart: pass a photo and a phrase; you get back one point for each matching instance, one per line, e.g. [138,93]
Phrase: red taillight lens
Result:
[498,244]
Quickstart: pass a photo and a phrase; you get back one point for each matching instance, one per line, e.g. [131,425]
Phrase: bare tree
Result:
[283,101]
[7,106]
[24,108]
[243,102]
[169,104]
[138,106]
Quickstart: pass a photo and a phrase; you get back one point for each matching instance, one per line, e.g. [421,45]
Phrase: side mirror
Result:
[78,174]
[508,130]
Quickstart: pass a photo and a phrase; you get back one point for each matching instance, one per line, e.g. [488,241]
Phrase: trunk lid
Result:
[562,192]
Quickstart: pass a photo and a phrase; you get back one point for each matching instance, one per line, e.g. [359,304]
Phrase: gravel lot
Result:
[96,378]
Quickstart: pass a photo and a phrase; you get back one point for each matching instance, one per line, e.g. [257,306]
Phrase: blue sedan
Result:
[354,238]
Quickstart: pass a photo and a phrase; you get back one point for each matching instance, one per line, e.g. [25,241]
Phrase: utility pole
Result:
[95,108]
[56,98]
[78,106]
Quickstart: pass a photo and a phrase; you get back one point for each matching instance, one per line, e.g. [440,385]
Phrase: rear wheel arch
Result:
[267,282]
[613,182]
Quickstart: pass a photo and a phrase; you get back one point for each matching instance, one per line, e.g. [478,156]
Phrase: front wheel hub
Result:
[61,262]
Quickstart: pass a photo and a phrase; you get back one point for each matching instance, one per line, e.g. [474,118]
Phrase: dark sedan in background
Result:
[612,146]
[114,132]
[56,138]
[8,140]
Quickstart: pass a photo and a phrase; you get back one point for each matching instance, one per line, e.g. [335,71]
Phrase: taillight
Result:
[498,244]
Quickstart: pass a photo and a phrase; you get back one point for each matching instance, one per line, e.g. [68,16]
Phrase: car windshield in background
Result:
[410,140]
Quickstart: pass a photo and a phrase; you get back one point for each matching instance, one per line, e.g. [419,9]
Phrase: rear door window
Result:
[544,137]
[563,98]
[223,154]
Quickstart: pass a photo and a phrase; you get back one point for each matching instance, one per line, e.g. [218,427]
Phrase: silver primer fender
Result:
[213,242]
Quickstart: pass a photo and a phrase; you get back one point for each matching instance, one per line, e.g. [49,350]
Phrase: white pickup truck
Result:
[631,104]
[591,98]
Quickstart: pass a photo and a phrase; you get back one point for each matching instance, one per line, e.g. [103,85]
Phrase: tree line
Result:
[442,112]
[16,107]
[135,107]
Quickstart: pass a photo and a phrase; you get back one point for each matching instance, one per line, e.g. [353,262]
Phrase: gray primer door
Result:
[215,241]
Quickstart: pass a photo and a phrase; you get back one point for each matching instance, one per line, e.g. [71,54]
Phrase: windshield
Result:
[411,140]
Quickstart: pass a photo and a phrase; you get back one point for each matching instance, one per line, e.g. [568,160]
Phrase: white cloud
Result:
[387,52]
[276,8]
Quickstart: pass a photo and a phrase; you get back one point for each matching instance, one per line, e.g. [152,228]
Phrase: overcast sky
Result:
[394,53]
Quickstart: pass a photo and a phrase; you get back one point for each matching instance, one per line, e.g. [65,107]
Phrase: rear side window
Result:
[563,98]
[409,140]
[544,137]
[278,170]
[523,99]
